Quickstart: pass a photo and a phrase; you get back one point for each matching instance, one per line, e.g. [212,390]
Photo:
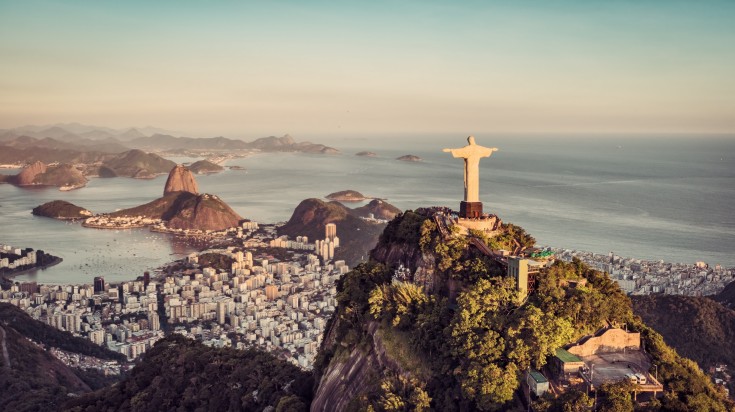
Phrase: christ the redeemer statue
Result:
[472,153]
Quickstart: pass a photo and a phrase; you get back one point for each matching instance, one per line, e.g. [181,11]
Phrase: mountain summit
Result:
[180,179]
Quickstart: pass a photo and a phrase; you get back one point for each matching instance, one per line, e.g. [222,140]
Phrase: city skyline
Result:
[245,70]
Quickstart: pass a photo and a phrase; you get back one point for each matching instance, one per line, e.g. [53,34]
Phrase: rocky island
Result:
[366,154]
[347,196]
[62,210]
[410,158]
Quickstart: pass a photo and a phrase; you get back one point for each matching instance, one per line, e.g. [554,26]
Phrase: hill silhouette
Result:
[183,374]
[697,327]
[356,235]
[31,378]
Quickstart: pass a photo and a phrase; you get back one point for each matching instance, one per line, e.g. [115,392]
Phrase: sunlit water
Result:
[650,198]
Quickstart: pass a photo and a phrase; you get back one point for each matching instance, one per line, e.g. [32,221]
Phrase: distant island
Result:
[366,154]
[62,210]
[410,158]
[347,196]
[137,153]
[63,176]
[204,167]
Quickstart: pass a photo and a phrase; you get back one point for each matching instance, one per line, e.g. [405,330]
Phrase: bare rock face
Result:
[29,174]
[180,179]
[204,212]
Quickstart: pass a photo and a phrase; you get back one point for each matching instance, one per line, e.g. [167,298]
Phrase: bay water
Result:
[647,197]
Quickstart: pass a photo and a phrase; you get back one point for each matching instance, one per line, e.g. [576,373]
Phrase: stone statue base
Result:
[470,210]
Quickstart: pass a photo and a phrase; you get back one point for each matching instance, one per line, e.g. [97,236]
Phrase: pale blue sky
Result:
[246,69]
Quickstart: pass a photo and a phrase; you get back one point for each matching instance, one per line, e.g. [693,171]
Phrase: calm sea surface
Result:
[649,198]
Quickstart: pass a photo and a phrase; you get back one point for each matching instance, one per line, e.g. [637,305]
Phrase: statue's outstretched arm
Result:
[447,150]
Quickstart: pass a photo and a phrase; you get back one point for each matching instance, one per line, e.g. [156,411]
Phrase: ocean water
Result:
[654,197]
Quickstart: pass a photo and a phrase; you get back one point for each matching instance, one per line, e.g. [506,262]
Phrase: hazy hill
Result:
[205,166]
[31,378]
[135,163]
[160,142]
[697,327]
[183,374]
[107,145]
[12,155]
[168,142]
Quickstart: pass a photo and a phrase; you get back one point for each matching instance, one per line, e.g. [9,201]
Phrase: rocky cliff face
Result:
[204,212]
[343,380]
[28,175]
[180,179]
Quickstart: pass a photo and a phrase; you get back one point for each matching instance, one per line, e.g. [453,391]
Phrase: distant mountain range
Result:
[73,142]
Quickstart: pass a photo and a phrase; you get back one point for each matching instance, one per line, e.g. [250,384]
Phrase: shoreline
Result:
[11,275]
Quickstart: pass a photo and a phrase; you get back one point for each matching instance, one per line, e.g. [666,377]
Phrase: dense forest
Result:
[182,374]
[31,378]
[698,327]
[468,353]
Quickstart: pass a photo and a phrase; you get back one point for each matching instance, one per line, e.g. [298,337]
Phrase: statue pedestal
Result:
[470,210]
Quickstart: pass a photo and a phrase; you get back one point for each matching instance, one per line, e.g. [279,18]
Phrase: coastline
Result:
[54,262]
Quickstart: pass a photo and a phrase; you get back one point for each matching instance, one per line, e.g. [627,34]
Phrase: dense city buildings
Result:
[272,292]
[276,303]
[643,277]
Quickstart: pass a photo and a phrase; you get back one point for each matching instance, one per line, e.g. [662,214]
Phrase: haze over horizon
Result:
[244,70]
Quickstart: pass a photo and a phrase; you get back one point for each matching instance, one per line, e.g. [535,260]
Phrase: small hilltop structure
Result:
[471,215]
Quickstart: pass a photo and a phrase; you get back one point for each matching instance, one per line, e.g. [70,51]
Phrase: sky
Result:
[247,69]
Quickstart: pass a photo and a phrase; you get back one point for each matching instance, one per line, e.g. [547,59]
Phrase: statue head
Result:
[471,140]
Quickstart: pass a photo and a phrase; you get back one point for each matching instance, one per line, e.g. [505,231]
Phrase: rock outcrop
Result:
[180,179]
[28,175]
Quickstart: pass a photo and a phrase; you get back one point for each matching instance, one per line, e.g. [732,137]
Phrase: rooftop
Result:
[567,357]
